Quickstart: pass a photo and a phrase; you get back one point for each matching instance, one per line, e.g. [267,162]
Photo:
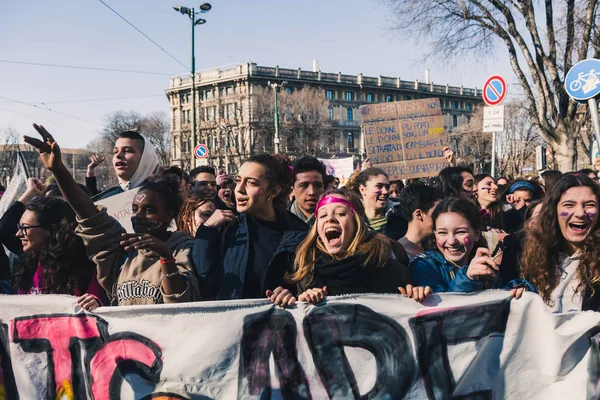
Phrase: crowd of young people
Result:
[290,232]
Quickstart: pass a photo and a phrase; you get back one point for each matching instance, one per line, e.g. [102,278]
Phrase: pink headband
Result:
[334,199]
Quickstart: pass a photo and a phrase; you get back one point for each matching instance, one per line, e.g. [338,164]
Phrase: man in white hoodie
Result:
[134,161]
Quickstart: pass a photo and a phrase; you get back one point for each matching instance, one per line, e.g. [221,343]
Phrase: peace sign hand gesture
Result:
[48,148]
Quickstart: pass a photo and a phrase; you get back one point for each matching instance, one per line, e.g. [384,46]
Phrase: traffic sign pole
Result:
[593,105]
[494,155]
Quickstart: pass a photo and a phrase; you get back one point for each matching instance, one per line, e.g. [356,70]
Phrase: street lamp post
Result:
[191,13]
[275,86]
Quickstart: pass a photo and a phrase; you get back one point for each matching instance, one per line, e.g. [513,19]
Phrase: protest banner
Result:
[119,207]
[460,346]
[405,139]
[339,167]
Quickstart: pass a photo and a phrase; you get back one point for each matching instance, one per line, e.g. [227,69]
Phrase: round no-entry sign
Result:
[201,151]
[494,90]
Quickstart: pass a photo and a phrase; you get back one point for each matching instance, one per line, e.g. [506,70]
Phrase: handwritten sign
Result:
[119,207]
[406,139]
[338,167]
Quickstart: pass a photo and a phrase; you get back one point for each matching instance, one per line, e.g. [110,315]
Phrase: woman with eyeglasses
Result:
[52,260]
[150,266]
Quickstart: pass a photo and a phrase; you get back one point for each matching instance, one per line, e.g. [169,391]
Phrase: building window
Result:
[369,97]
[406,97]
[454,121]
[330,113]
[229,90]
[454,106]
[443,103]
[329,94]
[349,114]
[230,111]
[389,98]
[289,90]
[210,113]
[468,106]
[208,94]
[349,96]
[350,141]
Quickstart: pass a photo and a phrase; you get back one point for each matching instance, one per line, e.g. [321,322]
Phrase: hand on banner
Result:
[146,241]
[219,218]
[517,293]
[314,296]
[482,266]
[88,302]
[35,187]
[281,297]
[417,293]
[48,148]
[95,160]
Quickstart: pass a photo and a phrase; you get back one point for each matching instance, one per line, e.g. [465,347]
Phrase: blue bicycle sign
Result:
[583,80]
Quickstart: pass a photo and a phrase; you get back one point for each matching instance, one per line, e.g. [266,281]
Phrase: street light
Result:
[275,86]
[191,13]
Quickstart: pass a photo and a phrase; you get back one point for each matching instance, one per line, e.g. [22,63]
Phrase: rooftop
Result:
[217,75]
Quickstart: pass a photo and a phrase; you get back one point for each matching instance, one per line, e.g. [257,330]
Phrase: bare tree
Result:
[8,155]
[473,147]
[303,119]
[516,145]
[157,129]
[121,121]
[543,40]
[306,120]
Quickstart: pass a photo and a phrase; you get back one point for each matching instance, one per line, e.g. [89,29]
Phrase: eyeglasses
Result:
[204,184]
[25,228]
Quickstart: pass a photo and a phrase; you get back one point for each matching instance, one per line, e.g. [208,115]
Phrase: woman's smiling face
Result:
[455,237]
[336,226]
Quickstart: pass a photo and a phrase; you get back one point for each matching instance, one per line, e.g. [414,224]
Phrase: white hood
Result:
[147,168]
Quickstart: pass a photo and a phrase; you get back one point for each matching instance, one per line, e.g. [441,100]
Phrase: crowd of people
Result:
[288,232]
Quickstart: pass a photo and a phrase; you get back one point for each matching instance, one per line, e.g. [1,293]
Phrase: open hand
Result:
[47,147]
[139,241]
[95,160]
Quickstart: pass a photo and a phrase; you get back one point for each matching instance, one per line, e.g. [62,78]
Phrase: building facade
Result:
[227,109]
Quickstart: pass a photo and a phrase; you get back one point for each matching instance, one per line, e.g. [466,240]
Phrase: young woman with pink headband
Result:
[341,256]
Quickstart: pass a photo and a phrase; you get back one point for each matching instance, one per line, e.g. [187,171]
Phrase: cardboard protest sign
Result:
[405,139]
[119,207]
[453,346]
[339,167]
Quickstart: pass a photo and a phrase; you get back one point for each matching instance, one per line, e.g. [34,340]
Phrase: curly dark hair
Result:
[544,242]
[67,269]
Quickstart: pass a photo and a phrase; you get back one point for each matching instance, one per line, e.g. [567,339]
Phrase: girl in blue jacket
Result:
[462,262]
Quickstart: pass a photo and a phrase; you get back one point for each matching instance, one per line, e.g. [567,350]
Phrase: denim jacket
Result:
[433,270]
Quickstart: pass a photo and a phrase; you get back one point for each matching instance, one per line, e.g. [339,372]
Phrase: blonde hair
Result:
[185,220]
[375,247]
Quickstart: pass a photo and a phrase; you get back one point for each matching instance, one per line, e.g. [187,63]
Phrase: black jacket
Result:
[348,276]
[221,257]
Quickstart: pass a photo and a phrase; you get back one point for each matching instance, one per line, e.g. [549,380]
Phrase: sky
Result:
[351,36]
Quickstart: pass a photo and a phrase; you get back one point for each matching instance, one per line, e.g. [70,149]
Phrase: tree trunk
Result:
[565,154]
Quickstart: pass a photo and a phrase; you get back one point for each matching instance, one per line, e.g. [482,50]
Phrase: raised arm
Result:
[51,158]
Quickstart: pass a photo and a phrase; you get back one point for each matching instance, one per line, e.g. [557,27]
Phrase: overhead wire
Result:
[85,67]
[143,34]
[46,108]
[49,120]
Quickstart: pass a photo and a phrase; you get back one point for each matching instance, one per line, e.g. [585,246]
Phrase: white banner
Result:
[339,167]
[467,346]
[16,187]
[119,207]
